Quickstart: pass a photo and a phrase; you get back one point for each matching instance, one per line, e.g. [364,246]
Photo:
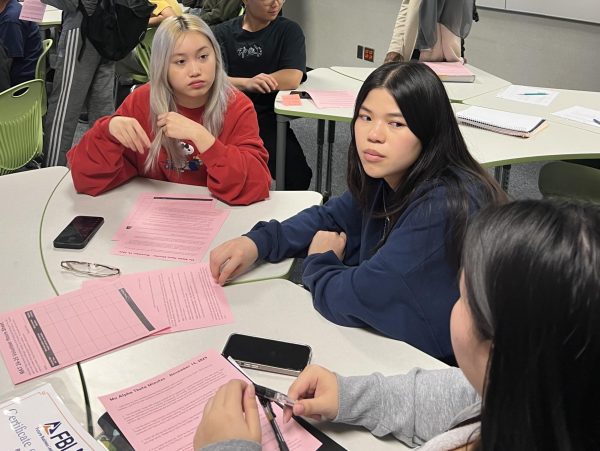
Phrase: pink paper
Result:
[450,69]
[163,413]
[32,10]
[186,296]
[333,99]
[173,227]
[52,334]
[291,100]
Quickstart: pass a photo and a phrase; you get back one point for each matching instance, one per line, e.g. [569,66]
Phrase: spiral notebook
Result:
[514,124]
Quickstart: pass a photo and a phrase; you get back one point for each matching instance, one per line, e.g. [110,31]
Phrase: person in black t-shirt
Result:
[263,53]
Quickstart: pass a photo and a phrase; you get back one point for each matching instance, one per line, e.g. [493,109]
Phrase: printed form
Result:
[163,413]
[40,338]
[186,296]
[177,227]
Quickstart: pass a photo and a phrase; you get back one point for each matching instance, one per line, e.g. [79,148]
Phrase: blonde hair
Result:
[162,99]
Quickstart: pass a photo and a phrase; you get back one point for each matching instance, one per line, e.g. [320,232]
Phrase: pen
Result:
[272,395]
[196,199]
[597,121]
[271,417]
[534,94]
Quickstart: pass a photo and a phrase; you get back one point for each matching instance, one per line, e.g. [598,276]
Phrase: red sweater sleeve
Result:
[236,163]
[99,162]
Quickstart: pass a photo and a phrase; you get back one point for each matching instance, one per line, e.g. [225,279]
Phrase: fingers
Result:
[265,83]
[251,412]
[317,393]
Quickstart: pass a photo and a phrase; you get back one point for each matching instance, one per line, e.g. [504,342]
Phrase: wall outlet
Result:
[359,52]
[369,54]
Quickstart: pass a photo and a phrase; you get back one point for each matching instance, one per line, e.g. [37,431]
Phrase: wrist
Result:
[203,139]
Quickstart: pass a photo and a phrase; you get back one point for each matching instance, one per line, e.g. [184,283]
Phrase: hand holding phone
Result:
[267,355]
[78,233]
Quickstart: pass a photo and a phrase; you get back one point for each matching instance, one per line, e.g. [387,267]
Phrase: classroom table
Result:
[116,205]
[457,92]
[321,79]
[52,17]
[275,309]
[22,276]
[566,99]
[557,141]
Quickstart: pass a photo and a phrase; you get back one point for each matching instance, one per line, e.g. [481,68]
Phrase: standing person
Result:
[264,53]
[188,125]
[22,42]
[525,334]
[431,31]
[82,77]
[385,254]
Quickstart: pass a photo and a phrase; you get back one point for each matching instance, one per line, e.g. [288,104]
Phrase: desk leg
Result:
[502,176]
[320,141]
[330,142]
[282,125]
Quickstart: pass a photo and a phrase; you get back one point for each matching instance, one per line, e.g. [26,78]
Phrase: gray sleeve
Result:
[413,407]
[232,445]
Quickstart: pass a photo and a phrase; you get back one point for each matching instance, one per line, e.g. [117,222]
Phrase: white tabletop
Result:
[22,276]
[322,79]
[565,99]
[116,205]
[275,309]
[52,17]
[484,81]
[556,142]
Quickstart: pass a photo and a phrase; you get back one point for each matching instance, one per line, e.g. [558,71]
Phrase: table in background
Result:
[556,142]
[564,142]
[457,92]
[320,79]
[275,309]
[22,275]
[117,204]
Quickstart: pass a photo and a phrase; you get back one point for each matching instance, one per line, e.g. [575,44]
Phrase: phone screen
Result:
[269,355]
[79,232]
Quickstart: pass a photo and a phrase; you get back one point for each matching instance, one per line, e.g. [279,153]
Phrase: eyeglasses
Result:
[89,269]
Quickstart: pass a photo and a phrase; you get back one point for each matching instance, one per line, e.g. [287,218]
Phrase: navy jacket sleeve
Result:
[291,238]
[406,290]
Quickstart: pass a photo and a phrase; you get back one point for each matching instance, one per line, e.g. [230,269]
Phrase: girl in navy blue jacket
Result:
[385,254]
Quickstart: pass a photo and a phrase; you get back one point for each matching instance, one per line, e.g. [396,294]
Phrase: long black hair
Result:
[444,157]
[532,276]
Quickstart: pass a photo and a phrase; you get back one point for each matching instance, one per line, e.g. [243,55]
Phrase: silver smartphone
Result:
[267,355]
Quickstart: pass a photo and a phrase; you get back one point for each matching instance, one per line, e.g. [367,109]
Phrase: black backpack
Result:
[116,26]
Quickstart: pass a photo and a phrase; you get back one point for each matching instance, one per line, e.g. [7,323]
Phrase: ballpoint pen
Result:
[272,395]
[597,121]
[271,417]
[534,94]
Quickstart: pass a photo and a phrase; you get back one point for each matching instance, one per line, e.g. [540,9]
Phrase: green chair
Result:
[143,50]
[20,125]
[563,179]
[40,70]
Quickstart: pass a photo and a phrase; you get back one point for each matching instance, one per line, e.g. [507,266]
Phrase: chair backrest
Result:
[143,50]
[40,70]
[20,125]
[563,179]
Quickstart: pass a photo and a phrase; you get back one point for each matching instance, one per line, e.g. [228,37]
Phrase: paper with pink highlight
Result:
[291,100]
[33,11]
[332,99]
[176,227]
[162,413]
[52,334]
[186,296]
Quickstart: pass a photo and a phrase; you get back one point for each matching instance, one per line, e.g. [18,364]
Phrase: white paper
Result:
[529,94]
[580,114]
[39,420]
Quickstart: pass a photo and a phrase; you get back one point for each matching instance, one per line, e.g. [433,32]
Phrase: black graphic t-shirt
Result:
[278,46]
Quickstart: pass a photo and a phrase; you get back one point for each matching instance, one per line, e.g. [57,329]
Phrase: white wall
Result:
[520,48]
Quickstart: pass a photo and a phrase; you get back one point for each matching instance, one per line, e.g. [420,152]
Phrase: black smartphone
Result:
[79,232]
[267,355]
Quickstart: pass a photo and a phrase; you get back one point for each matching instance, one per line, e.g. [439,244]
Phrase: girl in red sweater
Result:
[188,125]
